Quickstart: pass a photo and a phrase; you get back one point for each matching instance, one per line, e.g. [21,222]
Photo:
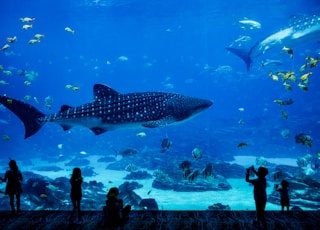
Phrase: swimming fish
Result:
[68,29]
[185,165]
[111,110]
[193,176]
[284,114]
[197,153]
[242,144]
[166,144]
[301,29]
[284,102]
[208,170]
[304,139]
[249,23]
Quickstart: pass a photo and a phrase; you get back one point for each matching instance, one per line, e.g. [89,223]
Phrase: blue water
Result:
[171,46]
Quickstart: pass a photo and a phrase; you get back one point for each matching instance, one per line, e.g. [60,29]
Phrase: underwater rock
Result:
[163,182]
[88,171]
[106,159]
[219,207]
[78,162]
[27,162]
[200,184]
[129,186]
[48,168]
[28,175]
[139,175]
[149,204]
[128,195]
[228,170]
[93,185]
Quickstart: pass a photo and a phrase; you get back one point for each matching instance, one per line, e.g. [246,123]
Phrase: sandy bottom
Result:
[240,197]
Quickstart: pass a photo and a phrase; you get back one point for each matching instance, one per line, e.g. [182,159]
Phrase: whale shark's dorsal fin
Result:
[103,91]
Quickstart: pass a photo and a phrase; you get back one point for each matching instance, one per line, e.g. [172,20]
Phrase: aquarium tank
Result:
[170,101]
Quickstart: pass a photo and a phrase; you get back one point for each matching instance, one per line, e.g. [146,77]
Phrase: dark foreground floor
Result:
[179,220]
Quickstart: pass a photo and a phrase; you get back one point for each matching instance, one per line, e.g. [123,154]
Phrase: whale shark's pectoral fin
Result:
[97,130]
[66,127]
[159,123]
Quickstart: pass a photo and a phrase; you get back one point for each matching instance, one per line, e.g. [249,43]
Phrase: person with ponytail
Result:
[13,177]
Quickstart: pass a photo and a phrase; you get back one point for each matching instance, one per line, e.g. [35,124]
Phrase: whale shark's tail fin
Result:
[243,54]
[28,114]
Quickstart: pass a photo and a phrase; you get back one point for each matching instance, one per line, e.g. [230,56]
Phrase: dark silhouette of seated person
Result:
[284,195]
[13,177]
[114,213]
[76,191]
[259,191]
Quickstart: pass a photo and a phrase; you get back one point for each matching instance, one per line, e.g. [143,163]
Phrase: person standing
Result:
[259,192]
[13,177]
[115,214]
[284,195]
[76,191]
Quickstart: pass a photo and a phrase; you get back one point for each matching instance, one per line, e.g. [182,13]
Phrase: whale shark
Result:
[111,110]
[301,29]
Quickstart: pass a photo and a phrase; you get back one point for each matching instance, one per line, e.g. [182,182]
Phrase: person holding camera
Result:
[284,195]
[259,191]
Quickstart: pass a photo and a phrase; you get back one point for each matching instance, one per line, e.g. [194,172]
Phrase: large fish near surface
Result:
[301,29]
[111,110]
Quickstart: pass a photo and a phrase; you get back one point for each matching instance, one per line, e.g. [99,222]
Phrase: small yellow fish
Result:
[284,114]
[75,88]
[303,67]
[6,137]
[27,20]
[9,101]
[6,46]
[141,134]
[280,102]
[68,86]
[3,82]
[36,100]
[27,97]
[33,41]
[292,78]
[38,36]
[288,51]
[48,106]
[303,87]
[283,75]
[313,62]
[305,76]
[27,83]
[26,27]
[68,29]
[12,40]
[242,144]
[274,77]
[240,122]
[43,195]
[289,75]
[287,86]
[7,72]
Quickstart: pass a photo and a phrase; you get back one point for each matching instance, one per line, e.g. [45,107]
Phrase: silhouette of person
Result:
[259,192]
[284,195]
[114,213]
[76,191]
[14,178]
